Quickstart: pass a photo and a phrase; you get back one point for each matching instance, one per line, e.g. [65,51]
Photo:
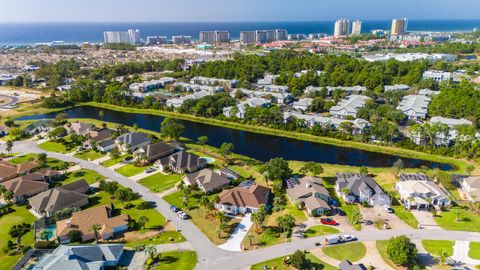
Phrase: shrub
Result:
[144,205]
[75,235]
[402,251]
[45,245]
[25,249]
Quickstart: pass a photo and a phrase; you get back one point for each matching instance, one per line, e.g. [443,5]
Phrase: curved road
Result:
[12,100]
[212,257]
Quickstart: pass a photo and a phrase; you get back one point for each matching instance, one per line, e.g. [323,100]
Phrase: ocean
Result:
[14,34]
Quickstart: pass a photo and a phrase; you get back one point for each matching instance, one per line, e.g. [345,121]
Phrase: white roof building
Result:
[436,75]
[451,122]
[349,106]
[397,87]
[359,125]
[406,57]
[302,104]
[177,102]
[251,102]
[414,106]
[428,92]
[267,80]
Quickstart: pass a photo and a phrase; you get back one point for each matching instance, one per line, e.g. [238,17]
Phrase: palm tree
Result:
[457,215]
[250,238]
[150,250]
[142,221]
[95,229]
[204,202]
[45,235]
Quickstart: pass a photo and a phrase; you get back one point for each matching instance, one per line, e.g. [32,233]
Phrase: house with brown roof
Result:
[45,174]
[207,180]
[98,135]
[243,200]
[471,188]
[310,193]
[80,128]
[23,189]
[84,220]
[181,162]
[9,171]
[52,200]
[155,151]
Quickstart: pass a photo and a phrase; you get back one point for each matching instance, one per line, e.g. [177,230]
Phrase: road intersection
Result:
[212,257]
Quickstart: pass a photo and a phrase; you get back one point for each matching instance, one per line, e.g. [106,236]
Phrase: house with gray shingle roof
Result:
[132,141]
[414,106]
[349,106]
[310,193]
[356,187]
[207,180]
[181,162]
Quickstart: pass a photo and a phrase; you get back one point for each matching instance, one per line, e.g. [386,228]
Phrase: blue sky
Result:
[232,10]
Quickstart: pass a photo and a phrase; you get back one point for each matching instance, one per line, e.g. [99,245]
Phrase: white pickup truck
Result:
[337,239]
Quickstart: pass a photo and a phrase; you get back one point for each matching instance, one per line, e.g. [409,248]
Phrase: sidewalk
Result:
[234,243]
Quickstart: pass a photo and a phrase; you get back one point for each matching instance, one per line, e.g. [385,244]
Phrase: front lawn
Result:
[53,163]
[468,221]
[160,182]
[21,215]
[406,216]
[89,176]
[131,170]
[437,247]
[207,224]
[319,230]
[58,147]
[350,251]
[113,161]
[159,239]
[313,263]
[156,220]
[474,251]
[178,260]
[89,155]
[382,246]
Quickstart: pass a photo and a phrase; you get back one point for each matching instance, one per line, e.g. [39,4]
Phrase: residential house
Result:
[351,90]
[415,107]
[79,128]
[84,220]
[52,200]
[276,88]
[106,146]
[436,75]
[155,151]
[132,141]
[302,104]
[177,102]
[23,189]
[9,171]
[38,127]
[207,180]
[3,131]
[310,193]
[358,125]
[428,92]
[96,136]
[243,200]
[44,174]
[152,85]
[349,106]
[471,188]
[356,187]
[347,265]
[228,173]
[242,107]
[213,81]
[396,87]
[418,192]
[445,136]
[181,162]
[267,80]
[81,257]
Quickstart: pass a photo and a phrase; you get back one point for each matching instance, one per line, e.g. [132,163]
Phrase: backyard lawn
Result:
[21,215]
[131,170]
[437,247]
[89,176]
[313,263]
[351,251]
[474,251]
[198,215]
[178,260]
[89,155]
[319,230]
[160,182]
[113,161]
[468,221]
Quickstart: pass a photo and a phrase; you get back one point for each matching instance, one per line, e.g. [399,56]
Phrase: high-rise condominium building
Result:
[281,34]
[356,27]
[181,39]
[132,36]
[214,36]
[342,27]
[153,40]
[263,36]
[399,26]
[248,37]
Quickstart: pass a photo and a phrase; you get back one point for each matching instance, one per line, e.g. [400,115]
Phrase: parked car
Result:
[368,222]
[149,170]
[80,148]
[128,158]
[388,209]
[328,221]
[174,208]
[347,238]
[182,215]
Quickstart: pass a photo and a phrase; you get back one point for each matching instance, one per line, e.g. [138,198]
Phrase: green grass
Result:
[162,238]
[130,170]
[437,247]
[348,209]
[351,251]
[113,161]
[469,221]
[160,182]
[405,216]
[178,260]
[277,263]
[198,215]
[319,230]
[23,159]
[55,147]
[21,215]
[156,220]
[474,251]
[89,176]
[89,155]
[382,246]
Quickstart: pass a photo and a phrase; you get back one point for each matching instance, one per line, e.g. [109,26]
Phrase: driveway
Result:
[234,243]
[460,253]
[10,101]
[142,175]
[378,212]
[425,219]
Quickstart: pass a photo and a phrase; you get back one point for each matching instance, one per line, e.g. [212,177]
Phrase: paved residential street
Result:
[213,257]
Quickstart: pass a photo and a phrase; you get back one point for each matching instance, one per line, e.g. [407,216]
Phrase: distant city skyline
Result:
[234,11]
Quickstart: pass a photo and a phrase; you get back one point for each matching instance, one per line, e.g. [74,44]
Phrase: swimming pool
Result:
[209,160]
